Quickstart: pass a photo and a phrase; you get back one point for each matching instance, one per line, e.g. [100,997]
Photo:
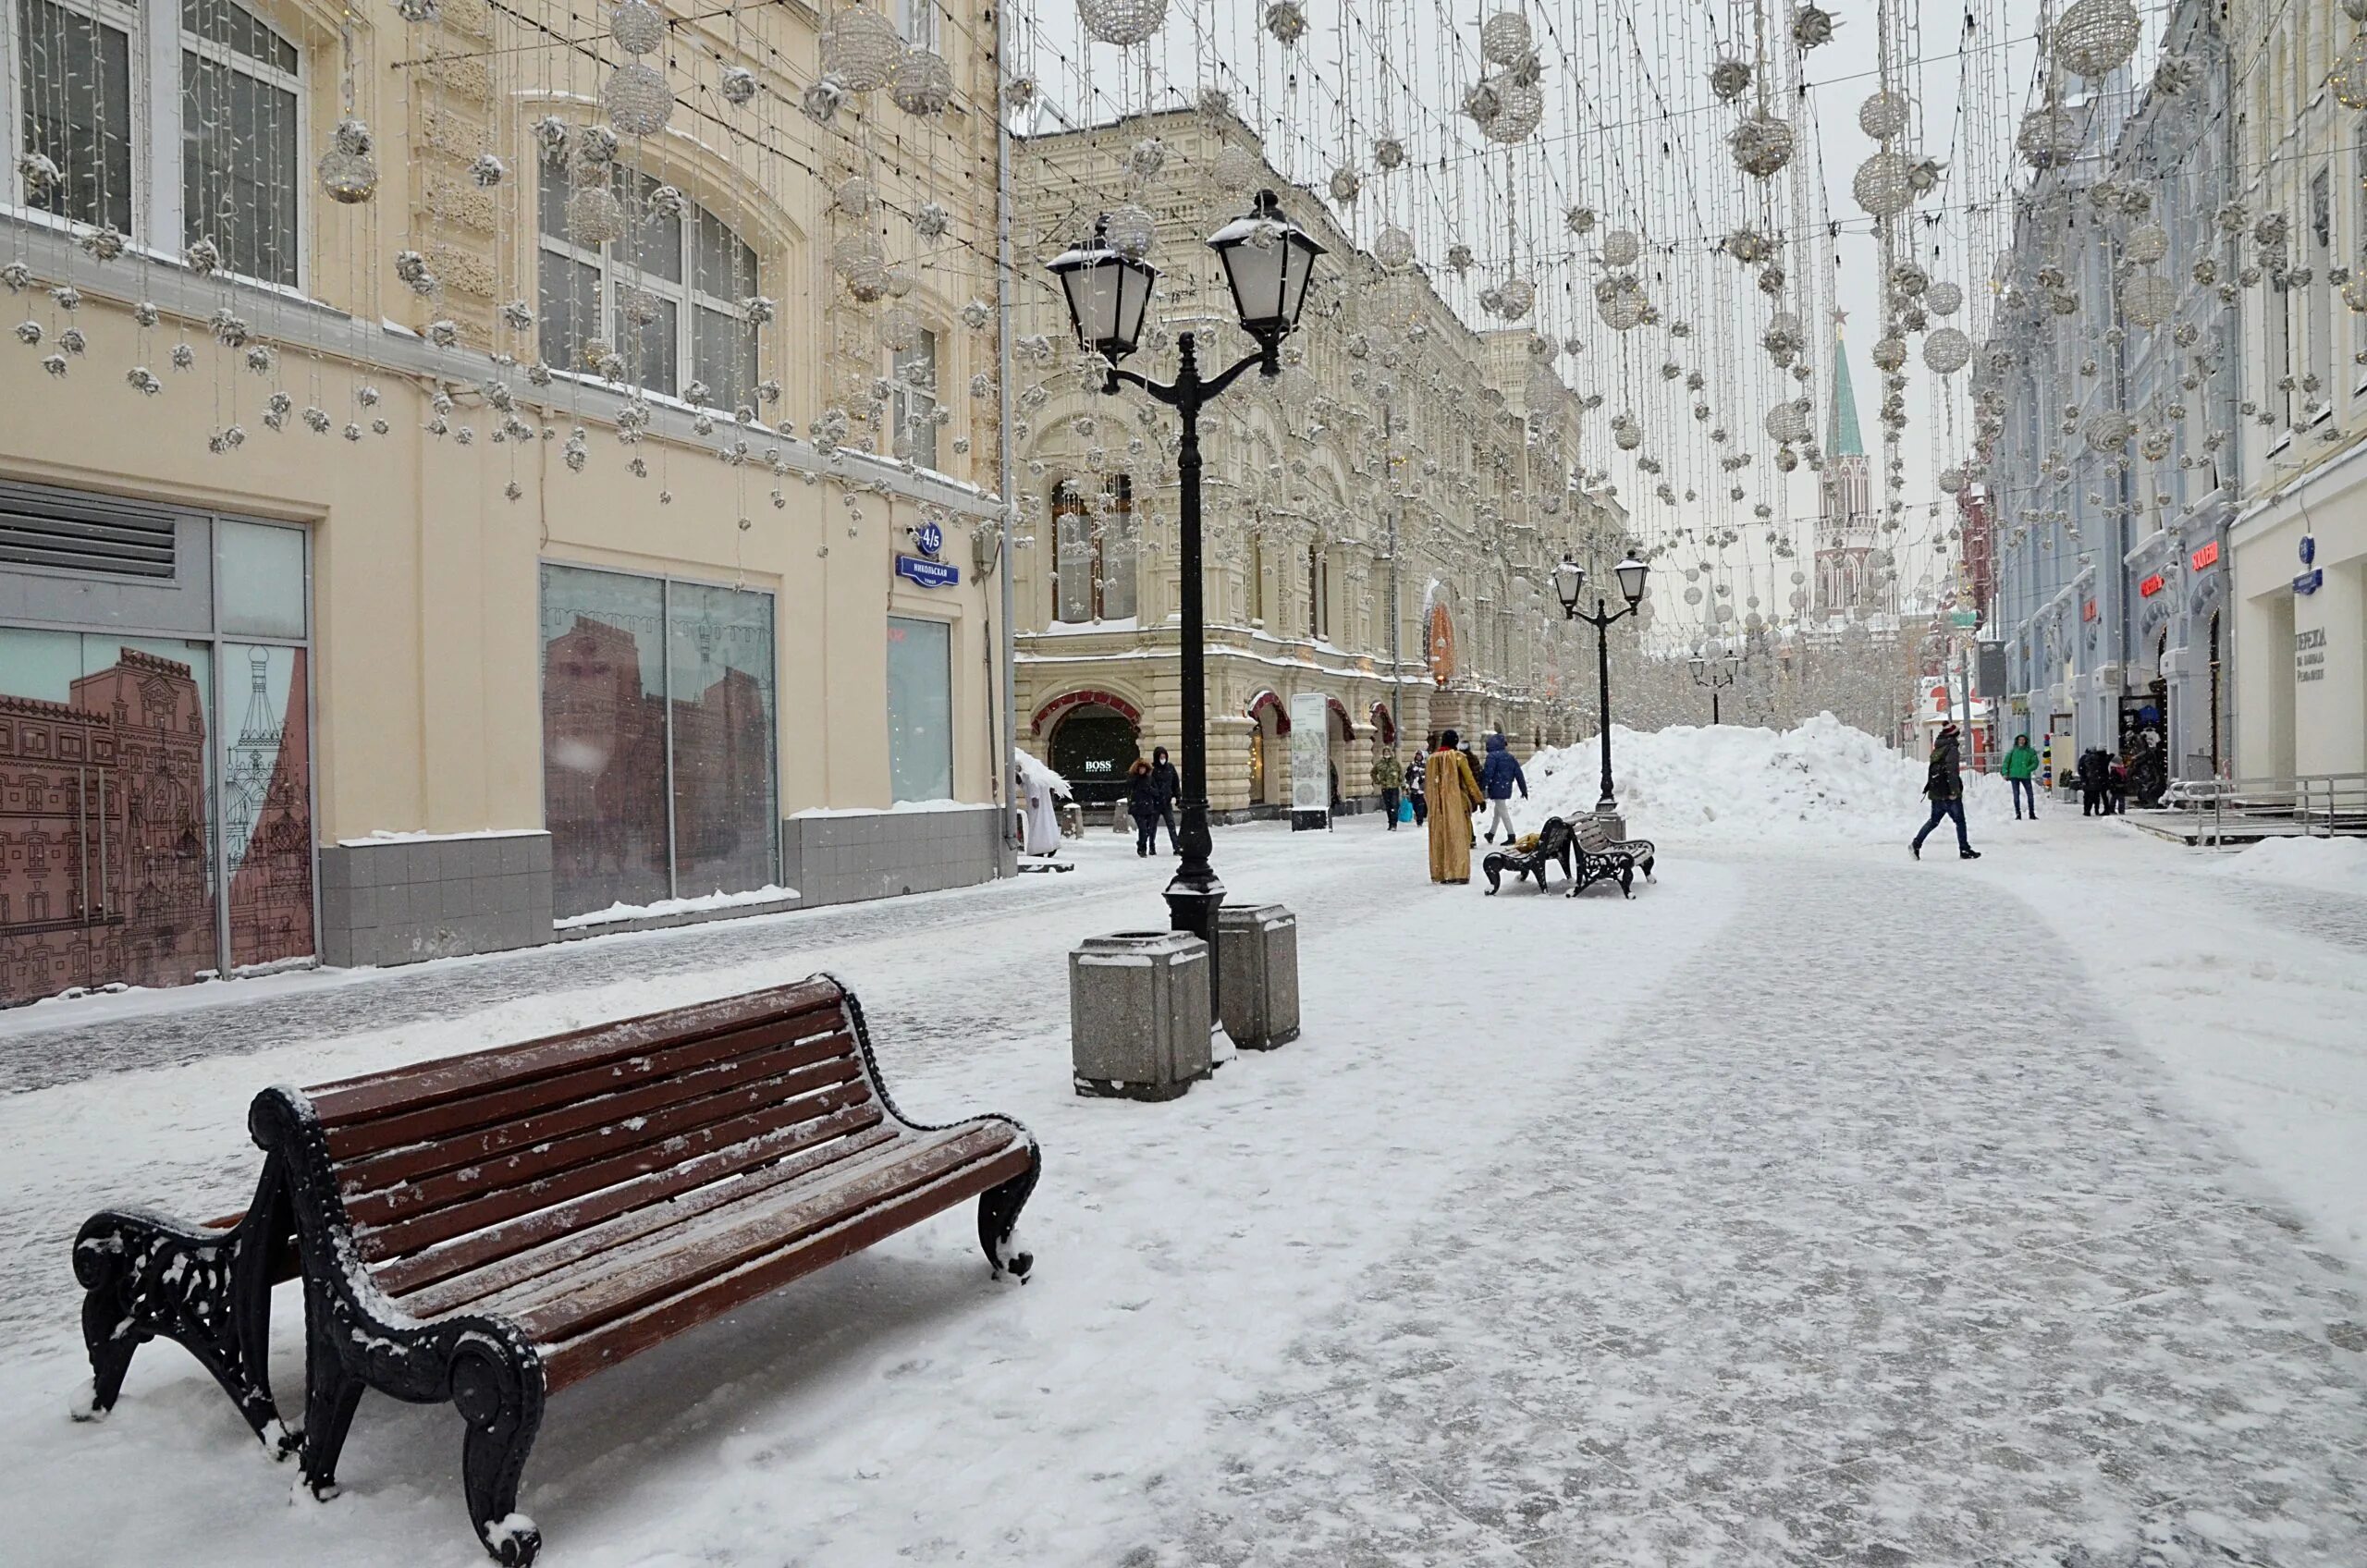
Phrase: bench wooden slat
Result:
[672,1082]
[407,1088]
[480,1266]
[537,1162]
[571,1360]
[492,1208]
[460,1114]
[632,1279]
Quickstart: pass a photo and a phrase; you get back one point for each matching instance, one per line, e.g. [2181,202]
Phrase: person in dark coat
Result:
[1414,795]
[2092,781]
[1142,805]
[1498,776]
[2116,787]
[1167,785]
[1944,786]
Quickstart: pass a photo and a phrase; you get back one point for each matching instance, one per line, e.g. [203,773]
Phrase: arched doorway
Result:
[1092,738]
[1339,734]
[1269,759]
[2216,706]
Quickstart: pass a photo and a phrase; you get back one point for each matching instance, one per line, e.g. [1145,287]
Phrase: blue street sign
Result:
[2310,581]
[930,538]
[2309,550]
[928,574]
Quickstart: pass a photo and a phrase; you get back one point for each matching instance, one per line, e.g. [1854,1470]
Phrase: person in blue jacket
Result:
[1499,776]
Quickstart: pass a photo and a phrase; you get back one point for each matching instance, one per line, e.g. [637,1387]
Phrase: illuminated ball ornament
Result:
[861,48]
[638,27]
[1393,249]
[1946,351]
[1286,19]
[1621,248]
[2047,139]
[924,83]
[638,99]
[738,84]
[1761,144]
[1880,185]
[1506,38]
[2094,38]
[1520,109]
[594,216]
[349,171]
[2349,78]
[2148,300]
[1131,229]
[1237,169]
[2146,244]
[1943,298]
[1883,116]
[1122,22]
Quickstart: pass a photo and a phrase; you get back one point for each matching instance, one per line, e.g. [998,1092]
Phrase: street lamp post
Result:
[1569,577]
[1714,673]
[1268,262]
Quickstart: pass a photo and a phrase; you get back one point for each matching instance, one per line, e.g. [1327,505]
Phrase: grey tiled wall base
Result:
[403,899]
[846,857]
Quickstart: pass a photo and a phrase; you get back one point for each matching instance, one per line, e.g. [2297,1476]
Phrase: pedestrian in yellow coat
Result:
[1455,794]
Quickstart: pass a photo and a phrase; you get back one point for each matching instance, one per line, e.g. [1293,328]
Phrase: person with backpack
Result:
[1498,774]
[2021,773]
[1388,777]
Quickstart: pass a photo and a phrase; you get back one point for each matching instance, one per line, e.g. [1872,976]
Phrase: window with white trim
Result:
[210,151]
[916,20]
[1093,553]
[913,381]
[669,292]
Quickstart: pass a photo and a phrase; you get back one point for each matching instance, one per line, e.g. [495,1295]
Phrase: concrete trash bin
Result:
[1257,955]
[1138,1014]
[1613,823]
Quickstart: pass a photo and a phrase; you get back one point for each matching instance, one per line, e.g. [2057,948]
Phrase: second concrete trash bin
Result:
[1138,1014]
[1257,948]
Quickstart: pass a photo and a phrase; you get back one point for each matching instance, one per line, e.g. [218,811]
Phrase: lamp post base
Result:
[1196,895]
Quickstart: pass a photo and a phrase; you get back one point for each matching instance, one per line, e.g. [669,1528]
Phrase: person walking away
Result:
[1388,777]
[1455,795]
[1168,786]
[1413,796]
[2021,771]
[1498,774]
[1142,805]
[1943,785]
[2116,787]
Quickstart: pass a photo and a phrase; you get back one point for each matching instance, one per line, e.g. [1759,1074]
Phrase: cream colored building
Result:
[1380,519]
[330,625]
[2299,541]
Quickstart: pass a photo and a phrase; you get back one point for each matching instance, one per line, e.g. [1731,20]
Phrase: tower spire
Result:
[1843,440]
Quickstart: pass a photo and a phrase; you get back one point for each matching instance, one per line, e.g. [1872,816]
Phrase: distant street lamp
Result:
[1569,577]
[1714,673]
[1269,262]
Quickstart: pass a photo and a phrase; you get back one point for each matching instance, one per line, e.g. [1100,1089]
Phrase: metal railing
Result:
[2321,804]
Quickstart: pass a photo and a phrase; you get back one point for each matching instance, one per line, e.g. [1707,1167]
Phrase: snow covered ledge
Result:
[836,856]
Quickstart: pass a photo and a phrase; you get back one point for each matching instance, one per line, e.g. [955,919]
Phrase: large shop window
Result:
[657,739]
[670,291]
[207,151]
[920,709]
[156,792]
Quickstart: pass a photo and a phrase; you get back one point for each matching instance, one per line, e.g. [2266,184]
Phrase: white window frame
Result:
[687,297]
[156,41]
[917,22]
[914,408]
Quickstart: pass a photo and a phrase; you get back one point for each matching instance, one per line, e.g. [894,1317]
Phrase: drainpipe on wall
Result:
[1006,706]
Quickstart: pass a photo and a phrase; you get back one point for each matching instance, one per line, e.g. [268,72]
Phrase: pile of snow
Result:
[703,903]
[2338,864]
[1824,781]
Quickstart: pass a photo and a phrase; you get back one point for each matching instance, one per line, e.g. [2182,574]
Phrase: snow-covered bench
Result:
[1552,849]
[489,1229]
[1600,858]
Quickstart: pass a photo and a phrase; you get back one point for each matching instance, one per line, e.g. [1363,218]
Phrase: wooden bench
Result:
[1552,849]
[1600,858]
[487,1229]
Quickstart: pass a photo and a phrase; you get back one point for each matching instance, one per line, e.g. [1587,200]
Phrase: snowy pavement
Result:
[1815,1207]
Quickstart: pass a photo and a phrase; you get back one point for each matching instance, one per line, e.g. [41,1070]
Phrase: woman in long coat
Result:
[1455,794]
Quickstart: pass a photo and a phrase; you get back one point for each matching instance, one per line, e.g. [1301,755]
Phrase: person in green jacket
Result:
[2021,770]
[1389,777]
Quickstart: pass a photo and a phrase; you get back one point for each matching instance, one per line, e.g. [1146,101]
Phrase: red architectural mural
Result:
[268,814]
[105,868]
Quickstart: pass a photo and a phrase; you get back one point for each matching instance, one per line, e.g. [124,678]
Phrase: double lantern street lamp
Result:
[1714,673]
[1569,577]
[1267,261]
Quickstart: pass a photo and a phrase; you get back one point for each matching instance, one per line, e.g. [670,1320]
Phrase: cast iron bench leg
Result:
[144,1275]
[999,1221]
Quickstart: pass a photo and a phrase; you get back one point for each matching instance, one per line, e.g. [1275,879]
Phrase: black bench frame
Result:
[1552,849]
[1610,860]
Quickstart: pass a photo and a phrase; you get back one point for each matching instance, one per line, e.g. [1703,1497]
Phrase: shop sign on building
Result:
[2205,557]
[2150,587]
[2088,610]
[2309,654]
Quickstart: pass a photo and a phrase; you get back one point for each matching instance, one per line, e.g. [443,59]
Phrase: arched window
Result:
[1094,547]
[170,122]
[666,295]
